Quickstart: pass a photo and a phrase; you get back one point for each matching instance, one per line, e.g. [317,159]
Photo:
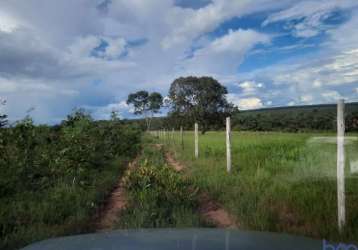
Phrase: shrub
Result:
[53,178]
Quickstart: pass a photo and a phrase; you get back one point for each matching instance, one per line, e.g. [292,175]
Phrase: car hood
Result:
[188,239]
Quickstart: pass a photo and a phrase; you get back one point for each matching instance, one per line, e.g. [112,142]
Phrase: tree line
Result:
[203,100]
[296,119]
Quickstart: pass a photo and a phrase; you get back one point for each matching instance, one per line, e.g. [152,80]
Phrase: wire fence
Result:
[231,146]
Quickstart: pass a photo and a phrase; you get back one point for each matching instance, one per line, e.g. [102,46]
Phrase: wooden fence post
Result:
[173,133]
[228,145]
[340,166]
[181,137]
[196,141]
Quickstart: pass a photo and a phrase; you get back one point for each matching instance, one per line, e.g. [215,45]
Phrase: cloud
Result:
[330,96]
[326,75]
[307,98]
[83,46]
[205,19]
[291,103]
[250,87]
[338,38]
[245,103]
[307,18]
[310,80]
[98,46]
[28,86]
[39,59]
[7,23]
[330,70]
[86,53]
[104,112]
[192,4]
[116,47]
[225,54]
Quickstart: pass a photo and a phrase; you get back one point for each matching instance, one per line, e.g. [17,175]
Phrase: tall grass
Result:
[280,181]
[158,196]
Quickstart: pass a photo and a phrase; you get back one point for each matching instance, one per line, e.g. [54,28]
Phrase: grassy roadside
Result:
[280,181]
[158,196]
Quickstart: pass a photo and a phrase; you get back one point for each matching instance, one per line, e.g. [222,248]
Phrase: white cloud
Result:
[7,23]
[225,54]
[331,96]
[309,16]
[291,103]
[250,87]
[35,87]
[245,103]
[83,46]
[310,74]
[104,112]
[307,99]
[237,41]
[86,46]
[195,23]
[250,103]
[115,48]
[339,40]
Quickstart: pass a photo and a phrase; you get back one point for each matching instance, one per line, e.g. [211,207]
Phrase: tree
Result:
[115,116]
[199,99]
[3,117]
[77,115]
[146,104]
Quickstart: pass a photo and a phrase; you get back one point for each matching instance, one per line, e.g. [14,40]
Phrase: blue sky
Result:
[59,55]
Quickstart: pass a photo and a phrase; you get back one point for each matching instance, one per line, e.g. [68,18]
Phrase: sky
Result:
[59,55]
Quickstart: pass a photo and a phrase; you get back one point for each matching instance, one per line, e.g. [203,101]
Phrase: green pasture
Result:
[283,182]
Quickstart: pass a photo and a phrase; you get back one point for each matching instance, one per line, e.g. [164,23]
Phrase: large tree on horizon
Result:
[146,104]
[199,99]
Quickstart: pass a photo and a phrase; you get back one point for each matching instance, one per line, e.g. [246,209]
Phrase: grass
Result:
[280,182]
[158,196]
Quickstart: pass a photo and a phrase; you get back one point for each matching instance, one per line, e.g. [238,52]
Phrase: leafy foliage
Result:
[200,100]
[53,178]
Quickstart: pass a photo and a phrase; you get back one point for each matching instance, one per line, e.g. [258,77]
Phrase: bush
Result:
[53,178]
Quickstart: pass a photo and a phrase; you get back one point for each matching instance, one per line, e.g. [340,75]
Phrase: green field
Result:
[281,182]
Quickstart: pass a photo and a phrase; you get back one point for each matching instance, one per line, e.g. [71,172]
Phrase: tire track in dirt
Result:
[116,202]
[209,209]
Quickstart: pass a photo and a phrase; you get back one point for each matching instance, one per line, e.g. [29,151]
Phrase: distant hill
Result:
[291,119]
